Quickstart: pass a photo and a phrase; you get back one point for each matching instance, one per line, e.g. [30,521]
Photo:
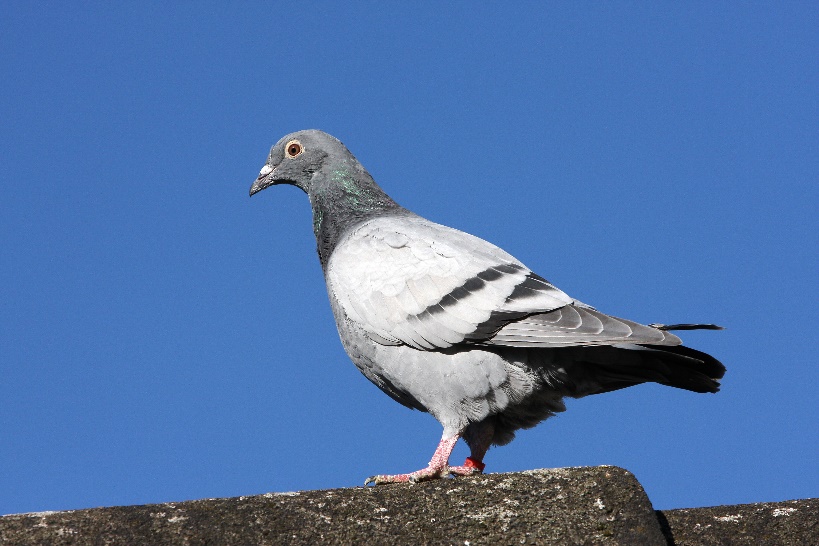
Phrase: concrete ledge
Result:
[790,522]
[599,505]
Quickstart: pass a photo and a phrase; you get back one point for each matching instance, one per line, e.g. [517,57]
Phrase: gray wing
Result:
[575,325]
[406,280]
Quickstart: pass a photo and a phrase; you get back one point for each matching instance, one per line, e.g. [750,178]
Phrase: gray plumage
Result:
[448,323]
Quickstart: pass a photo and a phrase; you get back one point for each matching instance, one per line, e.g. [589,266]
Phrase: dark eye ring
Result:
[293,148]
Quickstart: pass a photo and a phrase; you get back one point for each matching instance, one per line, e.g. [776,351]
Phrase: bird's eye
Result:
[293,148]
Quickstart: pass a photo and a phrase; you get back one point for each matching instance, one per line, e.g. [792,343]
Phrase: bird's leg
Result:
[478,436]
[438,466]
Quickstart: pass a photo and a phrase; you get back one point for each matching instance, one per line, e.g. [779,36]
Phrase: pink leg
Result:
[479,437]
[438,466]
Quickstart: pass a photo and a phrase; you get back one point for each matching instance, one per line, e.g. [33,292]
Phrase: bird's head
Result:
[297,157]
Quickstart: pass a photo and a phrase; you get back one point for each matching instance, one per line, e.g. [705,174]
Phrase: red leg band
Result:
[472,463]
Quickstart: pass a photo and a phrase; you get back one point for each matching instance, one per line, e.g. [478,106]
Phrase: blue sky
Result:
[163,337]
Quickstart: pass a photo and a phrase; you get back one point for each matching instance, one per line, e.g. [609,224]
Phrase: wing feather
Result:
[408,280]
[573,326]
[429,286]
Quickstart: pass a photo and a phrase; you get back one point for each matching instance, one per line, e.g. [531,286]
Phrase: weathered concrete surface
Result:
[787,523]
[600,505]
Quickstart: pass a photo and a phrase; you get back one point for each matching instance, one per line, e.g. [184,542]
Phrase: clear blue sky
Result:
[163,337]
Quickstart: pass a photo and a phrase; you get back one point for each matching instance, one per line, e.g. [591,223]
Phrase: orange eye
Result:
[293,148]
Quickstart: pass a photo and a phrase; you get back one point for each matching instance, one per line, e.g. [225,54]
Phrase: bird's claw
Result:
[470,467]
[429,473]
[464,470]
[381,479]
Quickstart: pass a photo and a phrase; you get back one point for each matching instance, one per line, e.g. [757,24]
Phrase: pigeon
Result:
[447,323]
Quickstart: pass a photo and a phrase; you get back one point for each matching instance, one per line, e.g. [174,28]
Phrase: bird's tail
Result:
[667,327]
[604,369]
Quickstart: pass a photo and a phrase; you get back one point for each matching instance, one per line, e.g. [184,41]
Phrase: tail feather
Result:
[604,369]
[667,327]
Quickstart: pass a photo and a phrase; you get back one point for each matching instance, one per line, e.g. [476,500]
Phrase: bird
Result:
[447,323]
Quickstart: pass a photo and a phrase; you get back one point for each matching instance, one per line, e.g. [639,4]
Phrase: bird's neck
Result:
[348,196]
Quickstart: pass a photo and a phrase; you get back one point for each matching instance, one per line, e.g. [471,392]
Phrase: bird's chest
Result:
[359,346]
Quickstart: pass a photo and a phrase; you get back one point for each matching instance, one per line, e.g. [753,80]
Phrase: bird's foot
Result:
[470,467]
[438,466]
[425,474]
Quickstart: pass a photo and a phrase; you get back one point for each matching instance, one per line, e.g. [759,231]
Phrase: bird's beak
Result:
[263,180]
